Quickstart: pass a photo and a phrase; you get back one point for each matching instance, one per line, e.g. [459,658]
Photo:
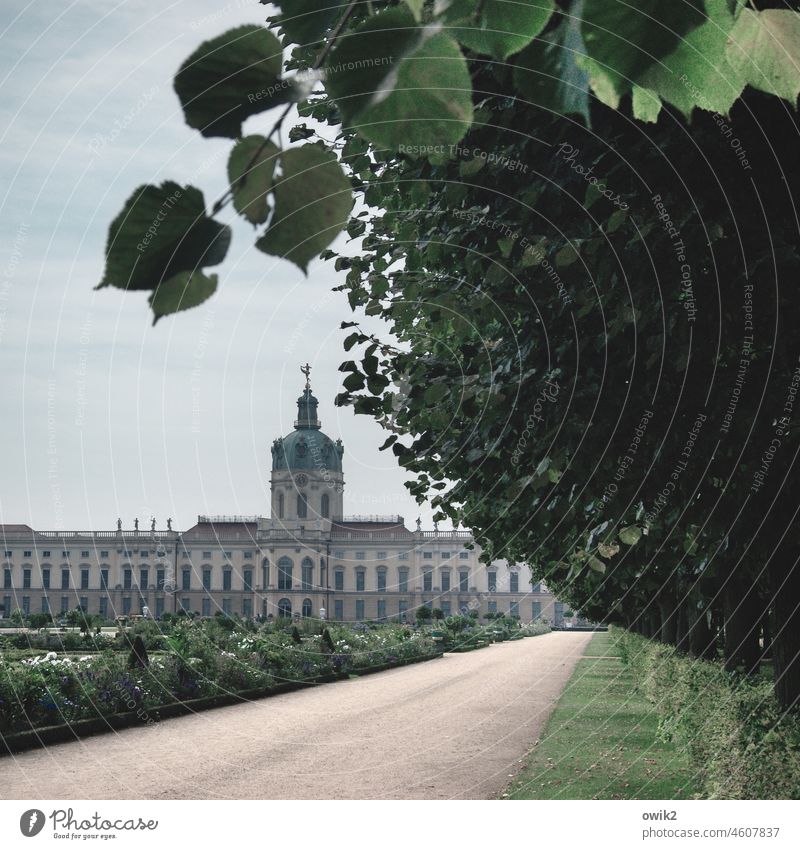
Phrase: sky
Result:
[103,415]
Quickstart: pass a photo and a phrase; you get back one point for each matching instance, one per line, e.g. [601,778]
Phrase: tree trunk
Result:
[668,613]
[784,573]
[702,641]
[743,612]
[683,625]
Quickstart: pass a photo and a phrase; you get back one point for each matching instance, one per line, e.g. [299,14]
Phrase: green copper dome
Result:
[307,447]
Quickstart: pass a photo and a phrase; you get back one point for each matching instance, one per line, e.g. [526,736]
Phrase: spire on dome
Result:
[307,404]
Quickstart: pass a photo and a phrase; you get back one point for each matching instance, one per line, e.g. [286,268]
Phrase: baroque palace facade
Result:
[307,559]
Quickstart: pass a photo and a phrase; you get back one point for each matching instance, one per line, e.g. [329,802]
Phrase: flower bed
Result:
[204,660]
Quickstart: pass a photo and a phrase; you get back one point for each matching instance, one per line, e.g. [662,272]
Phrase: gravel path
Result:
[453,728]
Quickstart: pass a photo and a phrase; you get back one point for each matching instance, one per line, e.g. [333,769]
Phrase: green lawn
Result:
[601,740]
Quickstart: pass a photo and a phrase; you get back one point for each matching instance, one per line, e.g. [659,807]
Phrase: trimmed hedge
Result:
[739,740]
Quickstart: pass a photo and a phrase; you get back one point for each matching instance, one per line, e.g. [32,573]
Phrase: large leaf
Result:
[401,85]
[623,39]
[497,27]
[765,50]
[306,21]
[547,72]
[229,78]
[250,169]
[697,72]
[313,199]
[185,290]
[161,231]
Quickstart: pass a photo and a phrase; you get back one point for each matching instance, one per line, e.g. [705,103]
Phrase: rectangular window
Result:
[536,609]
[536,588]
[45,604]
[26,553]
[65,579]
[84,554]
[403,555]
[127,579]
[186,579]
[64,603]
[26,579]
[186,604]
[159,608]
[338,609]
[6,606]
[159,579]
[338,580]
[265,576]
[228,554]
[84,603]
[427,581]
[248,555]
[360,581]
[514,609]
[7,579]
[26,605]
[445,581]
[359,609]
[206,555]
[46,578]
[339,555]
[361,555]
[427,555]
[446,608]
[45,554]
[247,608]
[445,555]
[206,579]
[514,582]
[104,554]
[104,579]
[381,580]
[402,580]
[226,606]
[227,580]
[104,605]
[65,554]
[492,582]
[463,555]
[381,608]
[144,576]
[402,608]
[248,580]
[492,607]
[205,607]
[284,576]
[126,605]
[9,553]
[143,555]
[84,579]
[307,577]
[463,582]
[381,555]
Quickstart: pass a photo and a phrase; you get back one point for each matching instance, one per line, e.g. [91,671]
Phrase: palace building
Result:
[307,558]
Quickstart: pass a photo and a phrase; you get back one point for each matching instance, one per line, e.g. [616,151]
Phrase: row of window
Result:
[302,506]
[85,555]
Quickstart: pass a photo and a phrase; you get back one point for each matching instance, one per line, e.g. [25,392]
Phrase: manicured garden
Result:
[639,721]
[140,670]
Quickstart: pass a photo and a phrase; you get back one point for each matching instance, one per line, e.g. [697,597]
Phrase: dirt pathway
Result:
[450,728]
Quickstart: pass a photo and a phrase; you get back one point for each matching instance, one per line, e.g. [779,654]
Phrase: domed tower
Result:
[307,482]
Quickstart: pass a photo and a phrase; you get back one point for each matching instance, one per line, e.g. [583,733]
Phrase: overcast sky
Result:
[104,415]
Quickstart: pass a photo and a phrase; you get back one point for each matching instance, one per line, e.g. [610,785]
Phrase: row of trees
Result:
[578,222]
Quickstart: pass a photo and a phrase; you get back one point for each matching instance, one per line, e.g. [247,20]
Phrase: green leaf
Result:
[547,72]
[623,39]
[230,78]
[497,27]
[697,72]
[630,535]
[250,169]
[185,290]
[596,564]
[764,47]
[161,231]
[313,199]
[416,7]
[400,85]
[646,105]
[306,21]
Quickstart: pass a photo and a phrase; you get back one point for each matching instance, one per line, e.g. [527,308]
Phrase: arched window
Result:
[325,506]
[302,506]
[307,575]
[306,608]
[285,566]
[280,505]
[284,607]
